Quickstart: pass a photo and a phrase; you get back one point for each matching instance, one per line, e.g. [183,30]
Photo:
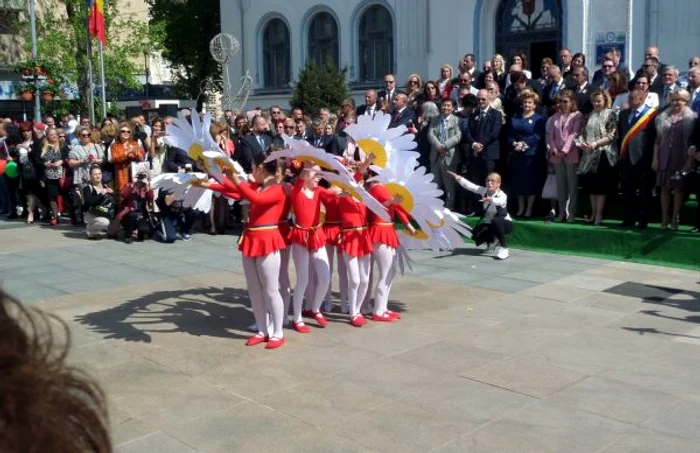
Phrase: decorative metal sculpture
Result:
[223,47]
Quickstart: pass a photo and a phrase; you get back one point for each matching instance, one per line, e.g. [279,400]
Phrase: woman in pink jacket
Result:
[563,153]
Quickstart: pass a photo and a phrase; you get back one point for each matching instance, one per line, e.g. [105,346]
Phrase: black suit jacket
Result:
[249,147]
[583,99]
[177,158]
[382,96]
[405,118]
[361,110]
[328,143]
[548,97]
[641,145]
[486,132]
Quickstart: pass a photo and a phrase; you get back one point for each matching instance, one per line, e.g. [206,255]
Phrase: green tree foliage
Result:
[62,37]
[187,26]
[319,87]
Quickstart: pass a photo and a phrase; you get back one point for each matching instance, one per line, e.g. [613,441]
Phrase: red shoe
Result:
[358,321]
[274,343]
[383,318]
[256,339]
[300,327]
[307,313]
[394,314]
[320,319]
[54,222]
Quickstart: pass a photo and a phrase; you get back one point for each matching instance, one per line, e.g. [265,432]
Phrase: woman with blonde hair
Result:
[445,81]
[498,64]
[671,160]
[414,88]
[598,158]
[52,158]
[124,150]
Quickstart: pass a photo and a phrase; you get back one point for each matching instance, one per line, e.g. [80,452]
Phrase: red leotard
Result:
[262,235]
[331,224]
[307,229]
[354,237]
[381,231]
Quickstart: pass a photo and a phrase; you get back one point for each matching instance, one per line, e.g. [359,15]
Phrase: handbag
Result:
[549,191]
[106,208]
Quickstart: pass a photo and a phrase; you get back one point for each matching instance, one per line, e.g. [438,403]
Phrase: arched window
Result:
[323,39]
[529,26]
[376,43]
[276,55]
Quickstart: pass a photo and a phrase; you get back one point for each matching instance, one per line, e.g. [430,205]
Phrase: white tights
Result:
[303,257]
[262,276]
[285,284]
[358,280]
[342,277]
[385,258]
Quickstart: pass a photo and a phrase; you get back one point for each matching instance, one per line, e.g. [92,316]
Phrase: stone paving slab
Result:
[539,353]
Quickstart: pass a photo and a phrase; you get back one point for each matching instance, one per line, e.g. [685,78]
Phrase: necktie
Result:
[261,143]
[695,106]
[441,130]
[633,117]
[555,90]
[482,115]
[667,92]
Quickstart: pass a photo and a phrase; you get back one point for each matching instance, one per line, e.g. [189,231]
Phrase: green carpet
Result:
[651,246]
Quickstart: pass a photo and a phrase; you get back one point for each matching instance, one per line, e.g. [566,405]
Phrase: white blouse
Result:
[500,199]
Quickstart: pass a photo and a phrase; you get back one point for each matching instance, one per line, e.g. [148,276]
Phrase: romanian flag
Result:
[96,21]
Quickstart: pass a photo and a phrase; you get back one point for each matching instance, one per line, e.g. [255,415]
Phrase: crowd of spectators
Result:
[553,132]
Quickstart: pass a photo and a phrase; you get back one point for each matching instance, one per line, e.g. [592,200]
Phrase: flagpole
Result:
[90,97]
[102,81]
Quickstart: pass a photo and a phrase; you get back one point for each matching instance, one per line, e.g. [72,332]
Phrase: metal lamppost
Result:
[32,22]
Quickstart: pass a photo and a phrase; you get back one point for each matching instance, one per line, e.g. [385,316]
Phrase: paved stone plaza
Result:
[538,353]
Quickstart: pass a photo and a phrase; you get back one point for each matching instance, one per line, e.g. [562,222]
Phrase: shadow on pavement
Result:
[206,311]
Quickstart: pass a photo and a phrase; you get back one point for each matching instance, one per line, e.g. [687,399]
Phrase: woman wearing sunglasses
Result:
[124,150]
[80,158]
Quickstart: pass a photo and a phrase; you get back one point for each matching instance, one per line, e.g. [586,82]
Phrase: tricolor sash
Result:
[634,130]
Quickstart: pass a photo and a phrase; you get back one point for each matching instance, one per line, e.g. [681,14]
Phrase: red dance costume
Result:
[381,231]
[307,230]
[262,235]
[285,227]
[354,238]
[331,224]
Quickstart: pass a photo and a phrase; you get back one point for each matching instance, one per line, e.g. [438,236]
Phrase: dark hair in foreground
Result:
[45,405]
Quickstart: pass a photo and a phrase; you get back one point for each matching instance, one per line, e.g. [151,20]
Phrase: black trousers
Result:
[497,230]
[131,222]
[694,186]
[638,183]
[13,193]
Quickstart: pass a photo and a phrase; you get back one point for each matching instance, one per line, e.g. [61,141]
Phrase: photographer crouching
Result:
[136,209]
[99,205]
[173,216]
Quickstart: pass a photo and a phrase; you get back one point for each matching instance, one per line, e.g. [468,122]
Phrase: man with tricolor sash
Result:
[636,136]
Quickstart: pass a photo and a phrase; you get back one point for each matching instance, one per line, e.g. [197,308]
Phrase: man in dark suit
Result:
[583,90]
[390,91]
[302,131]
[635,140]
[255,143]
[694,179]
[468,64]
[402,115]
[177,159]
[370,106]
[556,84]
[483,131]
[319,139]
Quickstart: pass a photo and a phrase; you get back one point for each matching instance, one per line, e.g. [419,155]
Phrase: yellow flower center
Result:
[371,146]
[397,189]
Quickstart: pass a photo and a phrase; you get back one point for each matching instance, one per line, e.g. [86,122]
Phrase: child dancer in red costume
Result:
[355,247]
[309,245]
[384,244]
[331,226]
[260,243]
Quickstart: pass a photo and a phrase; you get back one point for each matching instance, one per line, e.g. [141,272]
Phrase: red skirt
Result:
[284,231]
[311,238]
[332,231]
[255,243]
[384,233]
[355,242]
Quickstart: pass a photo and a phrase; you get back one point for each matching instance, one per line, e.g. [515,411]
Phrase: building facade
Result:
[372,37]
